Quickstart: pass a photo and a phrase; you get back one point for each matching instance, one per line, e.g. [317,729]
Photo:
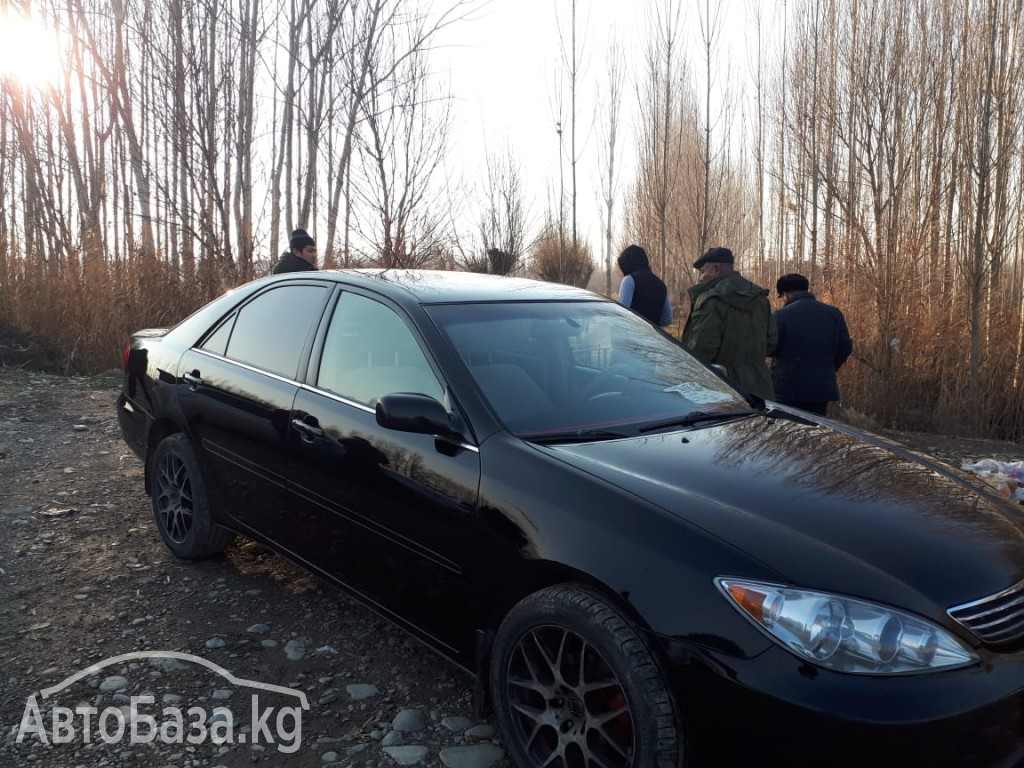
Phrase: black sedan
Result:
[642,565]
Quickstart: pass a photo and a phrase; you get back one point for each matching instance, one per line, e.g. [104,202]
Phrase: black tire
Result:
[180,506]
[575,685]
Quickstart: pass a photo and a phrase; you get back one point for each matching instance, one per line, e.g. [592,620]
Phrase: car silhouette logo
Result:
[175,725]
[45,693]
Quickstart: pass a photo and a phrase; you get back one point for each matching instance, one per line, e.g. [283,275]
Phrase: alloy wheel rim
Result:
[568,708]
[174,498]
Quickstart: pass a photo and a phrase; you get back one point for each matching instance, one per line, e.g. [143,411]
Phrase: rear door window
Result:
[217,342]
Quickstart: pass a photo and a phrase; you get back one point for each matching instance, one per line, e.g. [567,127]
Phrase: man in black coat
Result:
[814,342]
[301,257]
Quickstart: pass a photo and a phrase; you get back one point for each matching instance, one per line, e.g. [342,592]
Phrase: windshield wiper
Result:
[696,417]
[575,436]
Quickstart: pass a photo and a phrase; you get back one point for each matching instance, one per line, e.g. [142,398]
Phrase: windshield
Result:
[592,369]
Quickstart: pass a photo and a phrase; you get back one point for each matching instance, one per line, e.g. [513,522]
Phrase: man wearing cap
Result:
[302,254]
[731,323]
[814,342]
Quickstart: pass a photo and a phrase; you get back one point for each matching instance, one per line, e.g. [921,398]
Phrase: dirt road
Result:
[84,577]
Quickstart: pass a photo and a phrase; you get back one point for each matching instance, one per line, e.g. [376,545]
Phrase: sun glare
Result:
[29,53]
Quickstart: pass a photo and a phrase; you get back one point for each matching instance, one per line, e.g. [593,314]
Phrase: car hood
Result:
[828,507]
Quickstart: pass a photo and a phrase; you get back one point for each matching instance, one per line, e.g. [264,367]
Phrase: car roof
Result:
[426,286]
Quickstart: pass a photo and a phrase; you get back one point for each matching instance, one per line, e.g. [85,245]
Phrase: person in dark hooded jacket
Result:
[302,254]
[641,290]
[731,323]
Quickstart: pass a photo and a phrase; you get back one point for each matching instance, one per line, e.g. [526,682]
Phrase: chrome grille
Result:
[998,618]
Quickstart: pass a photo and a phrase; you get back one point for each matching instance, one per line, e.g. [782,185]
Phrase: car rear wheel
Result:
[180,505]
[575,685]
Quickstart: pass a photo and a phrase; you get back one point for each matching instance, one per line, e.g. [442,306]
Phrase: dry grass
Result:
[87,308]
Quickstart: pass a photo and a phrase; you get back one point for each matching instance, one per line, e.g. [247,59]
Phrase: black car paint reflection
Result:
[239,418]
[389,511]
[445,532]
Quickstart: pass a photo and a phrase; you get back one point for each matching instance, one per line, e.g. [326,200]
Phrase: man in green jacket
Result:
[731,323]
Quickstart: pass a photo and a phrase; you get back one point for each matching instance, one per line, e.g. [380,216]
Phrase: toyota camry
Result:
[642,565]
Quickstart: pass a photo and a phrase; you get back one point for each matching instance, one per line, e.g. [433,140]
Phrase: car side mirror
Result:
[420,414]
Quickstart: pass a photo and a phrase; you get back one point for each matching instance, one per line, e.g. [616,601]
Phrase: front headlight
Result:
[844,634]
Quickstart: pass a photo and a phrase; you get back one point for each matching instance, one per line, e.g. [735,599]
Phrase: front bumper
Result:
[776,709]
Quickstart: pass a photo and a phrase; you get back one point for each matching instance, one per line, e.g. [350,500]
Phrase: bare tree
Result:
[609,108]
[572,54]
[357,50]
[408,127]
[503,222]
[756,18]
[714,128]
[666,145]
[381,38]
[114,66]
[251,37]
[290,48]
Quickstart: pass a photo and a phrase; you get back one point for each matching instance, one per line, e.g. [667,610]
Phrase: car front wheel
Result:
[575,685]
[180,505]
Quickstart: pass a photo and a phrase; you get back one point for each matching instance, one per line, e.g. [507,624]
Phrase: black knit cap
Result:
[714,256]
[300,239]
[791,282]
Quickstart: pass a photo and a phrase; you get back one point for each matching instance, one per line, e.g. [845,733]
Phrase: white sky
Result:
[504,65]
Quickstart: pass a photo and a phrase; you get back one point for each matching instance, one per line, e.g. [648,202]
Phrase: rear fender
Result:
[161,429]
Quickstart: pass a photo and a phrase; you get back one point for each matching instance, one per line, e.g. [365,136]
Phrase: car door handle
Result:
[194,380]
[309,431]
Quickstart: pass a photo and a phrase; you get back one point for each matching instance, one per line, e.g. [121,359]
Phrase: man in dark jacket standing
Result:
[814,342]
[642,290]
[731,322]
[301,257]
